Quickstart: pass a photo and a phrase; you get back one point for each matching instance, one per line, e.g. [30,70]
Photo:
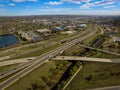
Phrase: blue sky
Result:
[59,7]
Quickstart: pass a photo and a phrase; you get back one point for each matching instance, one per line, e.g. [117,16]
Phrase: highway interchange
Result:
[41,59]
[4,74]
[26,68]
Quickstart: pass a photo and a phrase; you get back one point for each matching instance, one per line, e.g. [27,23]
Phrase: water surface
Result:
[7,40]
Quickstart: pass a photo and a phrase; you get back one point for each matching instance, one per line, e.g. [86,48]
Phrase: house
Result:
[45,32]
[82,25]
[57,30]
[68,32]
[29,35]
[116,39]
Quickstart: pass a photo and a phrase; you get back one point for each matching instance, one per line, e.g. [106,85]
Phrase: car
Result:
[50,56]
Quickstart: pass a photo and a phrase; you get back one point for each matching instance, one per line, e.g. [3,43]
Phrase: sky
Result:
[59,7]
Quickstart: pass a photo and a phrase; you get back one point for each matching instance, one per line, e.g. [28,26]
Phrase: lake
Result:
[7,40]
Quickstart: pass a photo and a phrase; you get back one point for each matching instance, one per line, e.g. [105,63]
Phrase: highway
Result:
[39,48]
[26,52]
[18,68]
[10,62]
[100,50]
[86,59]
[23,46]
[41,59]
[101,29]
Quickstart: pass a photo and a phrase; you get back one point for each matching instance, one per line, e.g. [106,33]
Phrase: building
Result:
[116,39]
[57,30]
[82,25]
[45,32]
[68,32]
[29,35]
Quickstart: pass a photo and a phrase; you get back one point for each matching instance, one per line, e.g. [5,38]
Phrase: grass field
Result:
[5,68]
[37,53]
[22,50]
[45,71]
[25,82]
[104,55]
[74,50]
[95,75]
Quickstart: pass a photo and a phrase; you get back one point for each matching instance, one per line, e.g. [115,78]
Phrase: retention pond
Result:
[7,40]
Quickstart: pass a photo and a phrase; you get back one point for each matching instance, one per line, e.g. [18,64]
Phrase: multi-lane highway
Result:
[23,46]
[13,70]
[86,59]
[36,63]
[16,61]
[26,52]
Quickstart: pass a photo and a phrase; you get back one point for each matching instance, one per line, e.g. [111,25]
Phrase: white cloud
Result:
[32,0]
[24,0]
[2,7]
[11,4]
[18,0]
[69,1]
[54,3]
[103,2]
[55,9]
[84,6]
[109,6]
[98,3]
[75,1]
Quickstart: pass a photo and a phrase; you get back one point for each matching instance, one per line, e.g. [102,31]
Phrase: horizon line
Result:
[54,15]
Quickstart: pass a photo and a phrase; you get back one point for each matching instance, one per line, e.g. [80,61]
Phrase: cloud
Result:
[54,3]
[24,0]
[75,1]
[54,9]
[84,6]
[98,3]
[68,1]
[32,0]
[109,6]
[103,2]
[11,4]
[18,0]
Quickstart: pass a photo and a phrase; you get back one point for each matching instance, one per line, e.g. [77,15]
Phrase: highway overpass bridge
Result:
[100,50]
[69,58]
